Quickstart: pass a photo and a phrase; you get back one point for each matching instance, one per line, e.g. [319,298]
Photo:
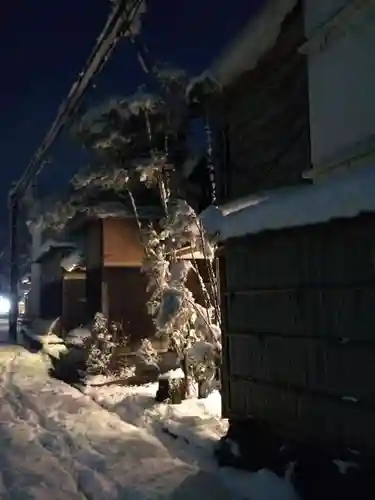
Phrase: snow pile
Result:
[196,426]
[195,421]
[78,336]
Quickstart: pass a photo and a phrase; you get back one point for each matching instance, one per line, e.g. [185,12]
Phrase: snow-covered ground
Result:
[196,426]
[195,422]
[56,442]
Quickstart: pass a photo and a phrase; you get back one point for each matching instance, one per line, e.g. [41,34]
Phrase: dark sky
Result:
[44,43]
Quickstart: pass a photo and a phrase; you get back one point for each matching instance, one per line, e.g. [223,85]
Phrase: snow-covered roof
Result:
[245,51]
[50,245]
[344,195]
[188,253]
[72,261]
[107,210]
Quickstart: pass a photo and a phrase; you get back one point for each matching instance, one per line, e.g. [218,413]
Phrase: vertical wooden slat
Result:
[74,301]
[225,367]
[94,267]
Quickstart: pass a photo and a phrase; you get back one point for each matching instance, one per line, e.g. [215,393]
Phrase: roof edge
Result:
[245,51]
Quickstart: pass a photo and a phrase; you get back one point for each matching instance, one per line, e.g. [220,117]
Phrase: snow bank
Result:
[196,426]
[196,421]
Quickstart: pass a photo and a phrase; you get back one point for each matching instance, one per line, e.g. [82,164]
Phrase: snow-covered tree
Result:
[139,143]
[193,330]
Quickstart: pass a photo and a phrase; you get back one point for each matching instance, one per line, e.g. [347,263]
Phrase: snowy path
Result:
[57,443]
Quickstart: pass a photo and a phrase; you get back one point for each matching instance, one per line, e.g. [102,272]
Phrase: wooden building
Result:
[260,115]
[297,303]
[114,283]
[297,268]
[51,278]
[112,253]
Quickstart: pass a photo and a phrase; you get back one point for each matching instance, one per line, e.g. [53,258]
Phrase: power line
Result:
[118,24]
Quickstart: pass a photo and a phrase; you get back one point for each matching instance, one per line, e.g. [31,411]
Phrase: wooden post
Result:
[185,365]
[14,267]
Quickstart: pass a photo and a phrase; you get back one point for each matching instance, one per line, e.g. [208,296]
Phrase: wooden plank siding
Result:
[51,287]
[127,302]
[94,267]
[298,328]
[74,309]
[122,245]
[265,118]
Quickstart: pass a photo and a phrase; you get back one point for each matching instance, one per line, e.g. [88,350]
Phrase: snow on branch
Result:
[172,304]
[118,129]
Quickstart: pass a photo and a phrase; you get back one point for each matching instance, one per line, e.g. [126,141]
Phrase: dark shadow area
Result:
[70,367]
[28,343]
[203,482]
[21,340]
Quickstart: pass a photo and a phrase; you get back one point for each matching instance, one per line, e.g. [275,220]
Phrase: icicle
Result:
[210,163]
[161,183]
[149,133]
[166,173]
[166,145]
[163,193]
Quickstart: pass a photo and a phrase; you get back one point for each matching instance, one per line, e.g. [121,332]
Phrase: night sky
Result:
[44,44]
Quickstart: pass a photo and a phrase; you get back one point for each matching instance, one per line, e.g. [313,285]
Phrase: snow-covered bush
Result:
[101,346]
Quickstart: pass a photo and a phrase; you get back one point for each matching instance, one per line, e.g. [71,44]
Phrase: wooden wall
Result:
[51,286]
[125,288]
[94,267]
[298,330]
[115,284]
[121,243]
[74,309]
[264,141]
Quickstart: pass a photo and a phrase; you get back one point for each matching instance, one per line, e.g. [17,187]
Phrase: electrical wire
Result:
[117,25]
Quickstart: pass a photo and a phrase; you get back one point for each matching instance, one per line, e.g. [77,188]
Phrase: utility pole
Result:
[118,23]
[14,265]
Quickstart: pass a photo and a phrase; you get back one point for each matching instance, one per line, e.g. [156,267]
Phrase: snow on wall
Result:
[343,195]
[257,39]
